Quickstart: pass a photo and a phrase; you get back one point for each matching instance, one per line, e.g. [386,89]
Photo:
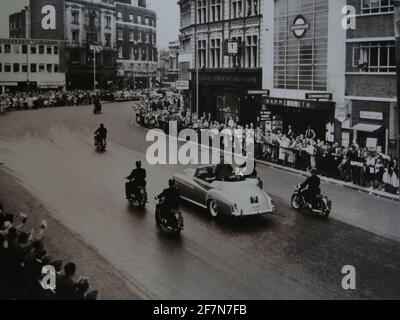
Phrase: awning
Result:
[366,127]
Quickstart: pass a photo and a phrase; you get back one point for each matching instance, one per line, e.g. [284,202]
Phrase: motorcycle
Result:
[322,206]
[139,199]
[99,144]
[174,224]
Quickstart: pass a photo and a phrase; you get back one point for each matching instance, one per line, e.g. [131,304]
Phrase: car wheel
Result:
[213,208]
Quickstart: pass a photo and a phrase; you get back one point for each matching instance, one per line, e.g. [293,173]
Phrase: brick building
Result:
[136,37]
[371,94]
[90,23]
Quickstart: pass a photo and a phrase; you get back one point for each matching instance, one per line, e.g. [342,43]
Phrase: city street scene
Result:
[199,150]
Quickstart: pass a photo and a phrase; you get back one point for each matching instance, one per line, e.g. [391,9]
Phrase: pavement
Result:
[62,244]
[288,256]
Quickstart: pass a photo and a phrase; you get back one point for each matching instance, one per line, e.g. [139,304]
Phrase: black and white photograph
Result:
[216,152]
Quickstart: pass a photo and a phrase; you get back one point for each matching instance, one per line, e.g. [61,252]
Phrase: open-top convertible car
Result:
[232,195]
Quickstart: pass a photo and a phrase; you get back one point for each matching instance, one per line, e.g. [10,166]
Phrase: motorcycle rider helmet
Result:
[171,182]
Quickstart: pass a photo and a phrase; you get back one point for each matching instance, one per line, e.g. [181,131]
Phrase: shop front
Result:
[224,94]
[277,114]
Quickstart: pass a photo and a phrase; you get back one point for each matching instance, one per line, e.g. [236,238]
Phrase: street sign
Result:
[265,93]
[182,85]
[319,96]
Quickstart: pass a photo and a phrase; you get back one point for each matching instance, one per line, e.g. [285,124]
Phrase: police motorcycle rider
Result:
[136,179]
[171,202]
[311,189]
[101,135]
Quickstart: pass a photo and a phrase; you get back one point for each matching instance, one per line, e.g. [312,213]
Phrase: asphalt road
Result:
[289,256]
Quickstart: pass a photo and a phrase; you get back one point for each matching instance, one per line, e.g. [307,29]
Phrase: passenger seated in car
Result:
[209,176]
[223,171]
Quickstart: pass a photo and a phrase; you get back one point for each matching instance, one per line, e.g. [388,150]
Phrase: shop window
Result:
[376,6]
[375,57]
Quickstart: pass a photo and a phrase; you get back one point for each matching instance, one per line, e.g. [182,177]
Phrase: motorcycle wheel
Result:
[158,218]
[295,201]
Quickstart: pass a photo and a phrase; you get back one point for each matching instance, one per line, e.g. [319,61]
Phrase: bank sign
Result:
[48,19]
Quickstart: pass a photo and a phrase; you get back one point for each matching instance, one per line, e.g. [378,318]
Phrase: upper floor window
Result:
[375,57]
[376,6]
[216,10]
[75,17]
[108,22]
[201,11]
[237,9]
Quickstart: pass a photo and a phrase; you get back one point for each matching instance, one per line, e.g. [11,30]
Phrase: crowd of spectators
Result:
[300,150]
[22,258]
[55,98]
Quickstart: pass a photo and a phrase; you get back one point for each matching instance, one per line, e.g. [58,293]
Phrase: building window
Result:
[237,9]
[75,36]
[108,22]
[7,67]
[201,11]
[215,53]
[375,57]
[107,38]
[376,6]
[16,67]
[49,50]
[301,64]
[75,17]
[216,10]
[252,51]
[33,67]
[7,48]
[56,68]
[119,16]
[55,49]
[202,53]
[49,67]
[24,68]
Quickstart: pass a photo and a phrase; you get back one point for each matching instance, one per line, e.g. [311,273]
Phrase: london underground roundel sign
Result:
[300,27]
